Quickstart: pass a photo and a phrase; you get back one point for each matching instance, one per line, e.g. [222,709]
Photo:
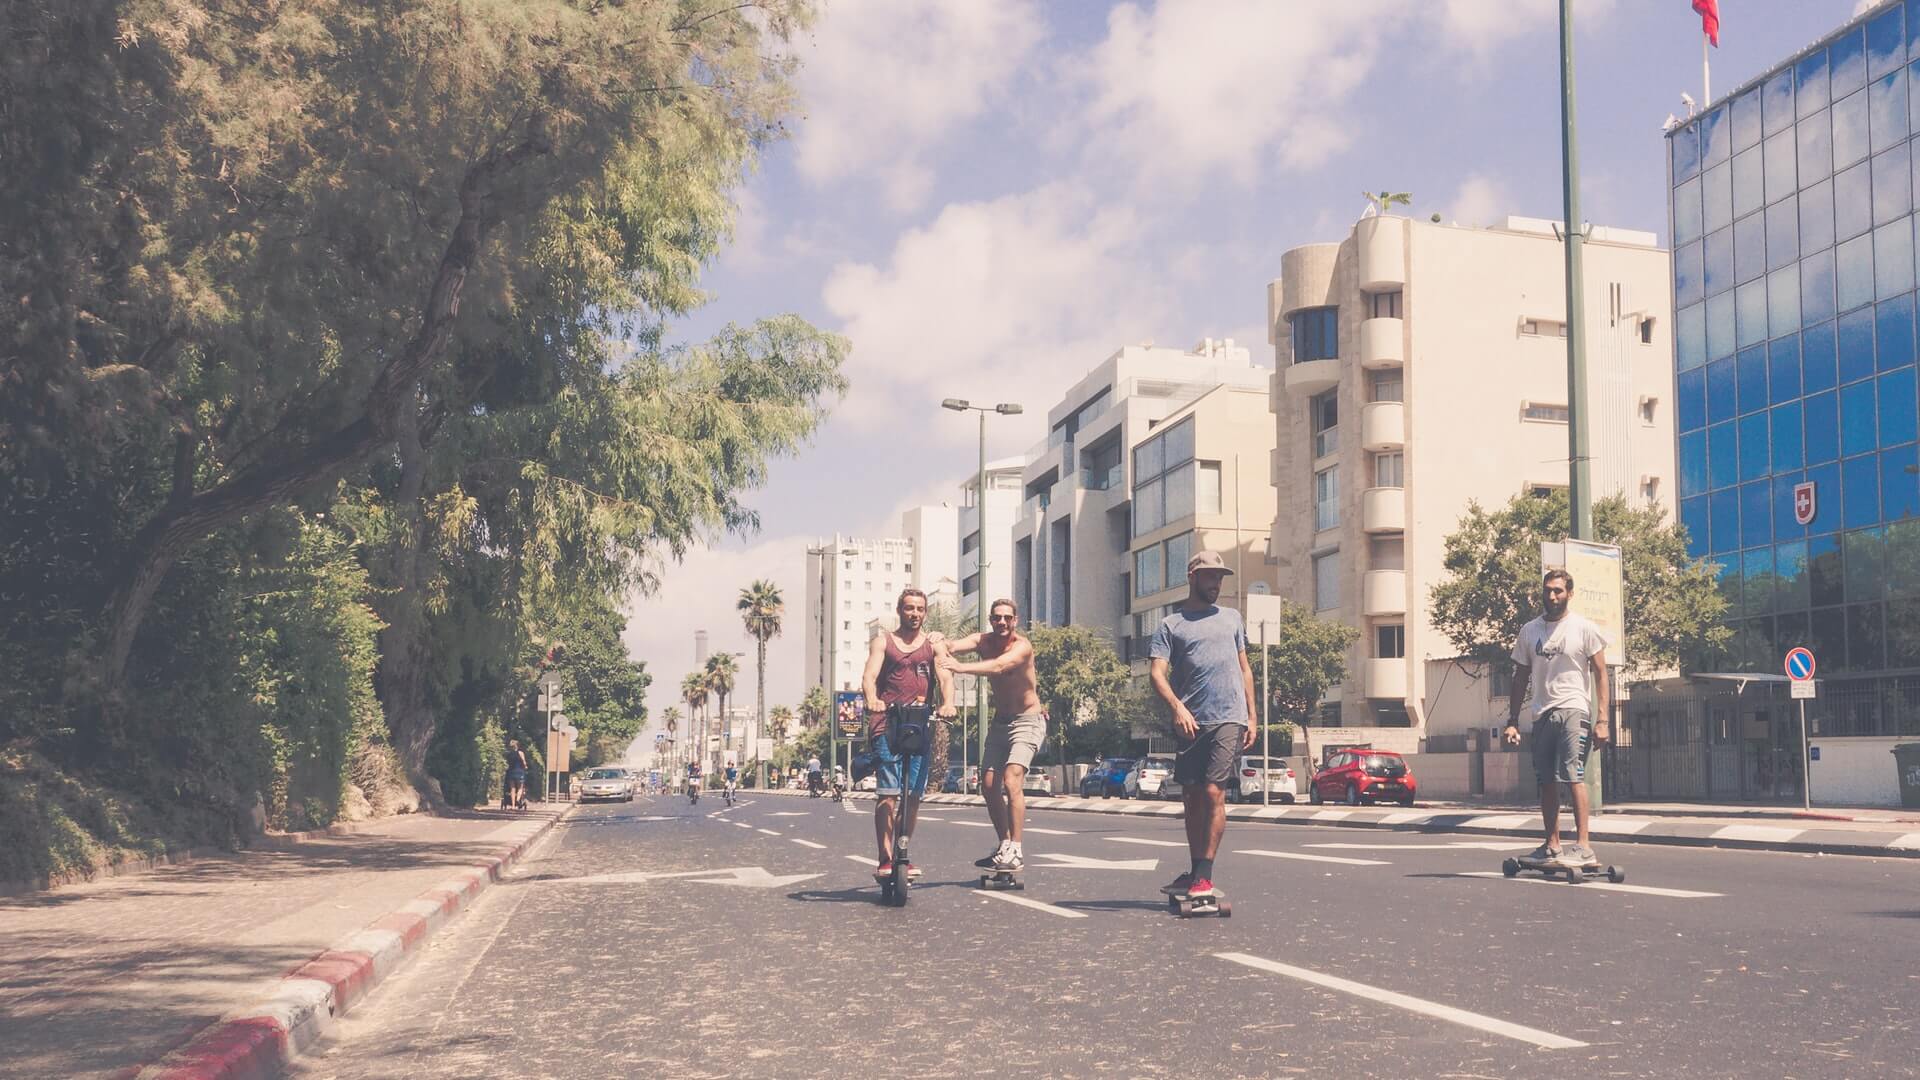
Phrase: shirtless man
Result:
[900,671]
[1019,724]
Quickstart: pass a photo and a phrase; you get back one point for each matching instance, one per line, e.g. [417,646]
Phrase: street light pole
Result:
[1579,468]
[980,573]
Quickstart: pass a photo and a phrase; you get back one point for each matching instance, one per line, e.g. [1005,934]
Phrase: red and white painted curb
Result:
[259,1041]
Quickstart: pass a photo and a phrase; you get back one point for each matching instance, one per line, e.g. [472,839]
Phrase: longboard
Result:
[1189,907]
[1554,868]
[1003,879]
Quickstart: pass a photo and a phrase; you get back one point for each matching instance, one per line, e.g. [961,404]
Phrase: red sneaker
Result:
[1201,888]
[912,870]
[885,869]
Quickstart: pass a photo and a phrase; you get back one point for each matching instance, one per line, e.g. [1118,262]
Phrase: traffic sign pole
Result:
[1800,667]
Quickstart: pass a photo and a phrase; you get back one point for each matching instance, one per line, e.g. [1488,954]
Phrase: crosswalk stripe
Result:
[1036,904]
[1313,858]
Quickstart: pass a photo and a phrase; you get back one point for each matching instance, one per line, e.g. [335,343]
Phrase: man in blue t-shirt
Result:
[1200,669]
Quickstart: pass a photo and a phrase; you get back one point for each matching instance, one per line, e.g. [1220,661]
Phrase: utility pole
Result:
[1579,468]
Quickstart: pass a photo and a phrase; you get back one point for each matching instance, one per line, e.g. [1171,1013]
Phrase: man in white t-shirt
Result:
[1552,659]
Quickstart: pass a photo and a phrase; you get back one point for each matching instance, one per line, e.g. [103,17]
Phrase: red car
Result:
[1357,776]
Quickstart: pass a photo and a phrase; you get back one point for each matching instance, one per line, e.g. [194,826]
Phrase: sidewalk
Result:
[105,978]
[1838,832]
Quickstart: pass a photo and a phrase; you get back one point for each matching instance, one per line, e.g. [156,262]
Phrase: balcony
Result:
[1313,376]
[1383,252]
[1381,343]
[1384,592]
[1383,510]
[1386,678]
[1383,425]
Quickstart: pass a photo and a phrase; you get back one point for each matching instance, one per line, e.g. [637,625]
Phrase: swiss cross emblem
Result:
[1804,504]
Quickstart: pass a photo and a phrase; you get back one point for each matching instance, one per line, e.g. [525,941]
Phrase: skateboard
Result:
[1554,868]
[1003,879]
[1188,907]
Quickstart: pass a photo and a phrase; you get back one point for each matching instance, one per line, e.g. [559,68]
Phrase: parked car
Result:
[1251,770]
[606,783]
[957,783]
[1364,776]
[1039,781]
[1150,778]
[1109,779]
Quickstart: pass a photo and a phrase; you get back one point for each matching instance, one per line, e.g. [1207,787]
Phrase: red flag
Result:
[1709,19]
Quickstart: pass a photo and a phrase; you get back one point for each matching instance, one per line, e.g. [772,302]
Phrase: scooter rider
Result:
[814,781]
[693,781]
[901,670]
[733,780]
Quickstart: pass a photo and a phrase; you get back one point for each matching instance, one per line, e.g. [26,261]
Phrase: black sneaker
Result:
[991,858]
[1178,886]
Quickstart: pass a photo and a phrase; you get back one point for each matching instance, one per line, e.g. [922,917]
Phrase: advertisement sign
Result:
[849,709]
[1599,588]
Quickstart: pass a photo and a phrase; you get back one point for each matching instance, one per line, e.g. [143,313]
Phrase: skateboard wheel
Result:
[1616,875]
[1510,868]
[1226,909]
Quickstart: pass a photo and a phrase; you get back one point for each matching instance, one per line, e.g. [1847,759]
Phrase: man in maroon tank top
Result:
[900,671]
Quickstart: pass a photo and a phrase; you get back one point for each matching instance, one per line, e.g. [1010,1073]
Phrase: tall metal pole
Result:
[1579,472]
[980,590]
[1266,719]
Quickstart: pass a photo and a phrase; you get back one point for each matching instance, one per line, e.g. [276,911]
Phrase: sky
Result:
[989,197]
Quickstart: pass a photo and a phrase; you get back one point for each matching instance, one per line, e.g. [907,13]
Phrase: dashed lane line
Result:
[1045,832]
[1546,1040]
[1604,886]
[1148,843]
[864,861]
[1313,858]
[1037,905]
[739,824]
[808,843]
[769,832]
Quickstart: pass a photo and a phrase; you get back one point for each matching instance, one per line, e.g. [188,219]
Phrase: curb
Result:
[1613,828]
[259,1041]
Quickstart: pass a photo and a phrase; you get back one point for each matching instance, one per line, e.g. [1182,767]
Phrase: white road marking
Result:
[1082,862]
[789,813]
[769,832]
[1503,821]
[924,817]
[1469,845]
[1909,842]
[1607,886]
[1546,1040]
[1036,904]
[1762,833]
[864,861]
[1149,843]
[1070,832]
[808,843]
[739,824]
[1312,858]
[971,824]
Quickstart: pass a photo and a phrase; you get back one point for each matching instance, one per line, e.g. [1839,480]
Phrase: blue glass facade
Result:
[1794,275]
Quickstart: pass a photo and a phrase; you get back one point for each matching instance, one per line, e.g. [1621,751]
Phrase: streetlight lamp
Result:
[980,521]
[827,668]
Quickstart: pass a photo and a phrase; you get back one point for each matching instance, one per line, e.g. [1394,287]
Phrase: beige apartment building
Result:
[1199,483]
[1422,366]
[1074,530]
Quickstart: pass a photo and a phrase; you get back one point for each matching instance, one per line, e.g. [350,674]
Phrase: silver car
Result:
[608,783]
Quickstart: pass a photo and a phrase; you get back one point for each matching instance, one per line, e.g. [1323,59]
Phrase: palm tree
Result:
[721,672]
[760,608]
[815,707]
[1387,200]
[670,717]
[693,691]
[782,719]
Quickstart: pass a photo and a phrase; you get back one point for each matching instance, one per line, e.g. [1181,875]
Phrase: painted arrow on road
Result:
[1082,862]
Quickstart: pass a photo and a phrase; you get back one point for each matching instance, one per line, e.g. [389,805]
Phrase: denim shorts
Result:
[1560,741]
[887,768]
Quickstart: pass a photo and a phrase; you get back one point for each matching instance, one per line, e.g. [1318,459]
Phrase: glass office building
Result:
[1793,224]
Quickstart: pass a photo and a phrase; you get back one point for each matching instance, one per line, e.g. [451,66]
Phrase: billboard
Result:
[848,709]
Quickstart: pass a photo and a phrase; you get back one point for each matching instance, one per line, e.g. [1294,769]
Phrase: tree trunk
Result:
[400,678]
[184,523]
[760,707]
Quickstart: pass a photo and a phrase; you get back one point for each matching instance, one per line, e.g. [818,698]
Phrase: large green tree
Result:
[1492,582]
[1082,681]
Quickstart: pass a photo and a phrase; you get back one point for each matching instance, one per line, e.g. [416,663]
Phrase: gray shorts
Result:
[1013,740]
[1208,759]
[1561,738]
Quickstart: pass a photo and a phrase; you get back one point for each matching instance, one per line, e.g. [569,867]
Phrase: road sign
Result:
[1800,666]
[1803,689]
[1813,753]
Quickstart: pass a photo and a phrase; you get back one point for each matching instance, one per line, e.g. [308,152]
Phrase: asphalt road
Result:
[1350,953]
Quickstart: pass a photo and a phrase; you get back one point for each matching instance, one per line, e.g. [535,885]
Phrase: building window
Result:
[1543,328]
[1326,498]
[1500,681]
[1390,641]
[907,569]
[1316,334]
[1384,305]
[1650,488]
[1646,328]
[1649,406]
[1100,467]
[1179,550]
[1390,469]
[846,624]
[1206,495]
[1163,478]
[1544,491]
[1326,581]
[1551,414]
[1387,386]
[967,544]
[1323,412]
[1147,571]
[971,584]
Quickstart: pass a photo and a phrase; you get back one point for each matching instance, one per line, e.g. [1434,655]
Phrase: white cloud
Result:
[885,81]
[1482,25]
[1012,300]
[1481,200]
[1194,87]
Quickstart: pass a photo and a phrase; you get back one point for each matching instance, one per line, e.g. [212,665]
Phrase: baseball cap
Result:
[1206,560]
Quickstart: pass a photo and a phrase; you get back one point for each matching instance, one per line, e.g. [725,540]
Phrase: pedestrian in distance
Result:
[1554,656]
[1018,727]
[1199,668]
[516,776]
[901,671]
